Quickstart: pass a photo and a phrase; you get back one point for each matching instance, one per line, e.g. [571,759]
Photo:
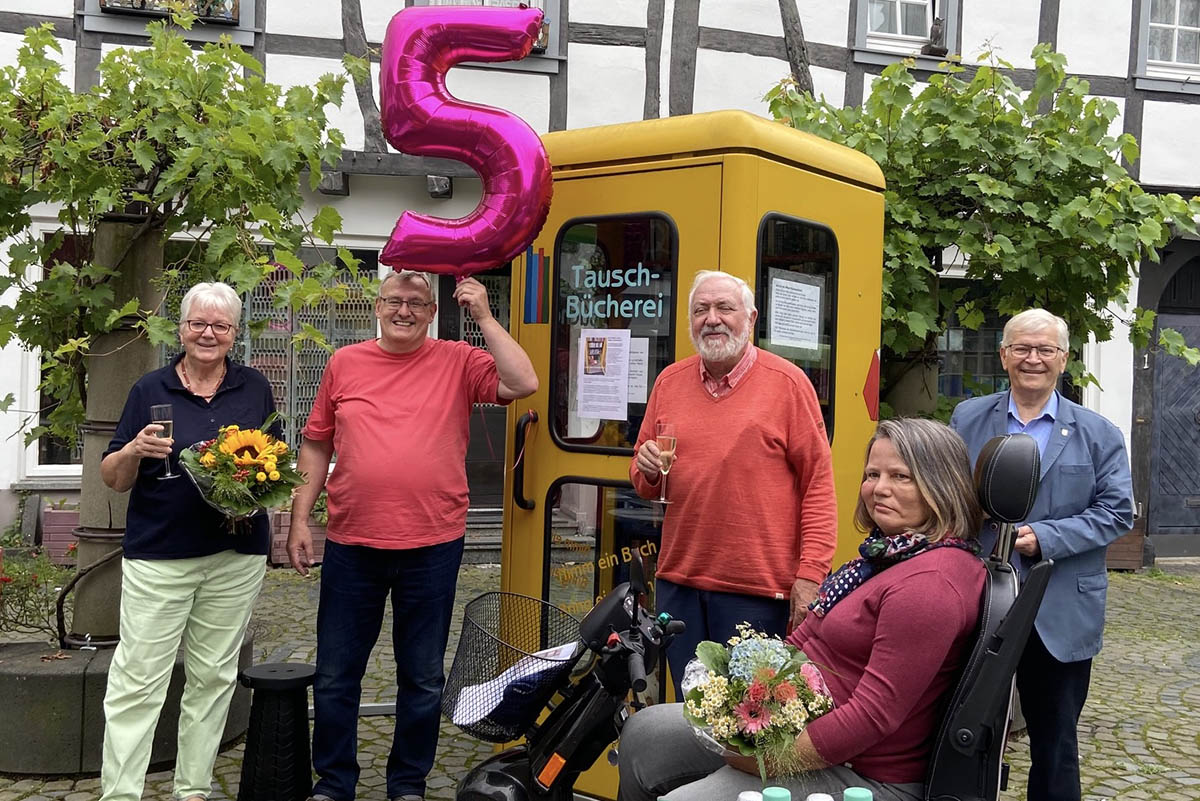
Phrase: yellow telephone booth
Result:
[600,303]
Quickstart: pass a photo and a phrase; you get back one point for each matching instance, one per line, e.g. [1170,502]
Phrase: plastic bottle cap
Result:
[776,794]
[750,795]
[819,797]
[857,794]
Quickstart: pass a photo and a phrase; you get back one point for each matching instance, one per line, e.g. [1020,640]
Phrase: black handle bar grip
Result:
[637,672]
[674,628]
[518,486]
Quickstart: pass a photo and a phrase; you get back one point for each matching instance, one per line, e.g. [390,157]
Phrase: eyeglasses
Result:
[198,326]
[395,304]
[1045,351]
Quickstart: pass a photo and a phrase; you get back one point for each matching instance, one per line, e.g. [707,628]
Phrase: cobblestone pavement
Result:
[1139,735]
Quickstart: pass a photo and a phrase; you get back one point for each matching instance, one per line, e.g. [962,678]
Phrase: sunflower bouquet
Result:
[754,696]
[242,471]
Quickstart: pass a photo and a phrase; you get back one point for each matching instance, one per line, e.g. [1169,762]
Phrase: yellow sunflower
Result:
[247,447]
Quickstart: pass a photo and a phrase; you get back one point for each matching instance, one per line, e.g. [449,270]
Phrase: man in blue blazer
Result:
[1084,502]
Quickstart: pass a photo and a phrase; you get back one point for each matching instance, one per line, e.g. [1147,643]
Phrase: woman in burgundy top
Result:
[891,630]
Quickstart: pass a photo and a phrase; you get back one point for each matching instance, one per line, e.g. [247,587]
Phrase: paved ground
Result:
[1139,736]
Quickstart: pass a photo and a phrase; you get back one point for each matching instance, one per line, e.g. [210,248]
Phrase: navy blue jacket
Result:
[1084,502]
[168,519]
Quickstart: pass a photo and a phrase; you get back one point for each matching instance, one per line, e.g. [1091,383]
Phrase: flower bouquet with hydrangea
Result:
[242,471]
[754,696]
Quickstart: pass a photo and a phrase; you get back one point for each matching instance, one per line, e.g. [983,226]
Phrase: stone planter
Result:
[281,524]
[58,533]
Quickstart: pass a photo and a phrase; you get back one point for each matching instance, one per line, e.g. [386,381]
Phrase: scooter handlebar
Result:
[637,673]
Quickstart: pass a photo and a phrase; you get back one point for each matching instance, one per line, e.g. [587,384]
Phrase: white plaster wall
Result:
[1166,159]
[10,44]
[1010,26]
[48,8]
[733,80]
[827,22]
[289,71]
[1094,35]
[1112,364]
[605,85]
[829,83]
[318,18]
[610,12]
[751,16]
[376,16]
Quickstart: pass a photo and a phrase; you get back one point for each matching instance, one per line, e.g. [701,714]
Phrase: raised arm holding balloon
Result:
[396,410]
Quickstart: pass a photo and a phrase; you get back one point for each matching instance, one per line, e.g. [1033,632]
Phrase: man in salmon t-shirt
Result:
[750,530]
[396,411]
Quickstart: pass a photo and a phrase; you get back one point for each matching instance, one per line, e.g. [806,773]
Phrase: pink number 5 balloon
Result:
[420,117]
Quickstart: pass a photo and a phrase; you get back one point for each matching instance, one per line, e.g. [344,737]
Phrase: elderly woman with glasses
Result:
[186,579]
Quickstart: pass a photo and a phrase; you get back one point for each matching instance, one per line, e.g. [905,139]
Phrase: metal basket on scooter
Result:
[513,653]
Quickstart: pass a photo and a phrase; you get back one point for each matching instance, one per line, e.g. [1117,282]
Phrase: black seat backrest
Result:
[969,746]
[1006,477]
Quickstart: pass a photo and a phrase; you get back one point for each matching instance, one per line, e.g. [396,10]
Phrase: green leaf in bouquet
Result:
[713,656]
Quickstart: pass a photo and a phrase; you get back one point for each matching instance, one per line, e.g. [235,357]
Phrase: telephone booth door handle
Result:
[518,486]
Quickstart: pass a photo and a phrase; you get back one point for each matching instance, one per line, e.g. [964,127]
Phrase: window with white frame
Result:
[898,25]
[887,30]
[1173,37]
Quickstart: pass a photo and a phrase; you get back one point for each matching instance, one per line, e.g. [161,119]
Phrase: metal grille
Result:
[293,372]
[497,287]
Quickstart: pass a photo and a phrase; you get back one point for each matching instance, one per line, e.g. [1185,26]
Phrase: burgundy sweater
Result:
[890,651]
[752,502]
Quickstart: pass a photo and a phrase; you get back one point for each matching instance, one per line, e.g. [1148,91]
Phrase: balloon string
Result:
[487,435]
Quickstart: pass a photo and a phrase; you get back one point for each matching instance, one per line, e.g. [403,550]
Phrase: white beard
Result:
[733,345]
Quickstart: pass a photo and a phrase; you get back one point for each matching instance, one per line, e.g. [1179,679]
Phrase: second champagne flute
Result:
[666,456]
[162,414]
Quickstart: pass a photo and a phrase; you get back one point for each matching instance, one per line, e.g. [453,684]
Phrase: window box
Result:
[58,533]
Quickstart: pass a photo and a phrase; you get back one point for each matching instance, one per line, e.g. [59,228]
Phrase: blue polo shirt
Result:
[1040,427]
[167,519]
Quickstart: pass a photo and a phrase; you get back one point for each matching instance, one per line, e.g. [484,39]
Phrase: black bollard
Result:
[278,762]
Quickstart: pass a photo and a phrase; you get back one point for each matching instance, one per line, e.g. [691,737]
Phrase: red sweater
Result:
[890,651]
[752,501]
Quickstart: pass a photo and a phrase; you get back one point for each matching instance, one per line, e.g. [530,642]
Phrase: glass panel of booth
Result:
[614,326]
[592,533]
[796,290]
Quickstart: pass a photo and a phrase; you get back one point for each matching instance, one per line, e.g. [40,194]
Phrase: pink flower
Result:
[757,692]
[752,717]
[812,675]
[785,691]
[764,674]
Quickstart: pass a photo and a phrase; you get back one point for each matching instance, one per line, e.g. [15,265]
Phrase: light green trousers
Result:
[203,603]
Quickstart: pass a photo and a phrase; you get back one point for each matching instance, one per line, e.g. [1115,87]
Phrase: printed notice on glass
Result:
[794,318]
[639,359]
[603,373]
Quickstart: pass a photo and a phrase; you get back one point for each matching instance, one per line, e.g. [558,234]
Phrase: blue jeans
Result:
[712,616]
[355,584]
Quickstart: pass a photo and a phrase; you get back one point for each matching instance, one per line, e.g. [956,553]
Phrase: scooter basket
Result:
[514,652]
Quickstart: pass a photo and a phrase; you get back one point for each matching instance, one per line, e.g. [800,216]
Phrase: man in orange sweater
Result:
[751,525]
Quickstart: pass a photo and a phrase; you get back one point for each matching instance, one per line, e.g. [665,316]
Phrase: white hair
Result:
[408,275]
[704,275]
[215,295]
[1036,320]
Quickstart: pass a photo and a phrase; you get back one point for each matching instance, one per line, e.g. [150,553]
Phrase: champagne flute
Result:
[162,414]
[666,456]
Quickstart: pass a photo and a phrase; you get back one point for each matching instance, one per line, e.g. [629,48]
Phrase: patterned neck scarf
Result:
[878,552]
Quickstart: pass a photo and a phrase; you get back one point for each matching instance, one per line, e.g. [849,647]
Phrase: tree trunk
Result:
[116,361]
[911,385]
[794,44]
